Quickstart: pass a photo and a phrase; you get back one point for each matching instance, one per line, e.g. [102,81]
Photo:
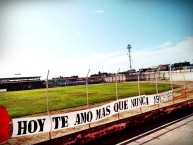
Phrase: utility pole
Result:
[129,54]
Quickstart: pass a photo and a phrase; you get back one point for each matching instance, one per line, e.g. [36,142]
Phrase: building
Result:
[180,65]
[164,67]
[100,74]
[66,81]
[142,70]
[21,83]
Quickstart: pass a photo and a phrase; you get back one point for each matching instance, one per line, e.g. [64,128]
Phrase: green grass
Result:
[20,103]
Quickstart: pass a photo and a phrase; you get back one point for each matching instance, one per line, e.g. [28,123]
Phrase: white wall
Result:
[176,76]
[179,75]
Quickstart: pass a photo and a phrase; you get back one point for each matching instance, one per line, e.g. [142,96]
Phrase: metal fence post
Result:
[87,89]
[117,91]
[48,105]
[139,89]
[171,82]
[87,92]
[184,86]
[156,84]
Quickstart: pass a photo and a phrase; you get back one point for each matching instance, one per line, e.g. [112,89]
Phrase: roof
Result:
[20,78]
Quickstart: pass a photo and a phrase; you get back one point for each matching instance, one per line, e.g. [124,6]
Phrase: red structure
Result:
[4,124]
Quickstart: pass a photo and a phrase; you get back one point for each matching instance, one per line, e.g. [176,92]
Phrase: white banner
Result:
[30,126]
[167,96]
[35,125]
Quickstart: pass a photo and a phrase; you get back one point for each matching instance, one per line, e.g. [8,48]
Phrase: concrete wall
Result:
[111,79]
[92,134]
[179,75]
[176,76]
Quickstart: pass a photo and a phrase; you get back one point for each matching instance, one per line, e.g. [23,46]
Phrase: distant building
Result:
[180,65]
[72,78]
[151,70]
[21,83]
[131,71]
[66,81]
[100,74]
[143,70]
[164,67]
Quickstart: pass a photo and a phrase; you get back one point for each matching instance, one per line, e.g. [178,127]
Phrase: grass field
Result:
[20,103]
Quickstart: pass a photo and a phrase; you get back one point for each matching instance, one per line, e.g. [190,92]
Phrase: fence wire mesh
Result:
[29,98]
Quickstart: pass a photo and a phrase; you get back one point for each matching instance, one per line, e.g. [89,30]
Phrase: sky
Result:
[69,37]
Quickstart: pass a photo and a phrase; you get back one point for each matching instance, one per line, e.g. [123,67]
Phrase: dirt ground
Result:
[178,95]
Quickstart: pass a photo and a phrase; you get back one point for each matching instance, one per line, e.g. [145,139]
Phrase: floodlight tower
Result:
[129,54]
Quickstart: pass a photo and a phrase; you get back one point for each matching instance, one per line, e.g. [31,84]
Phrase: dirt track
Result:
[179,95]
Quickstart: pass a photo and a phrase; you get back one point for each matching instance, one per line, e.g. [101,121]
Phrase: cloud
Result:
[167,44]
[99,11]
[112,61]
[33,63]
[164,54]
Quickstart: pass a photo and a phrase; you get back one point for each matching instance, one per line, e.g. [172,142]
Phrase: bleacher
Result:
[21,83]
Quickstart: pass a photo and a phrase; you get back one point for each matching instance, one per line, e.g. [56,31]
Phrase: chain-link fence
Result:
[68,94]
[29,97]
